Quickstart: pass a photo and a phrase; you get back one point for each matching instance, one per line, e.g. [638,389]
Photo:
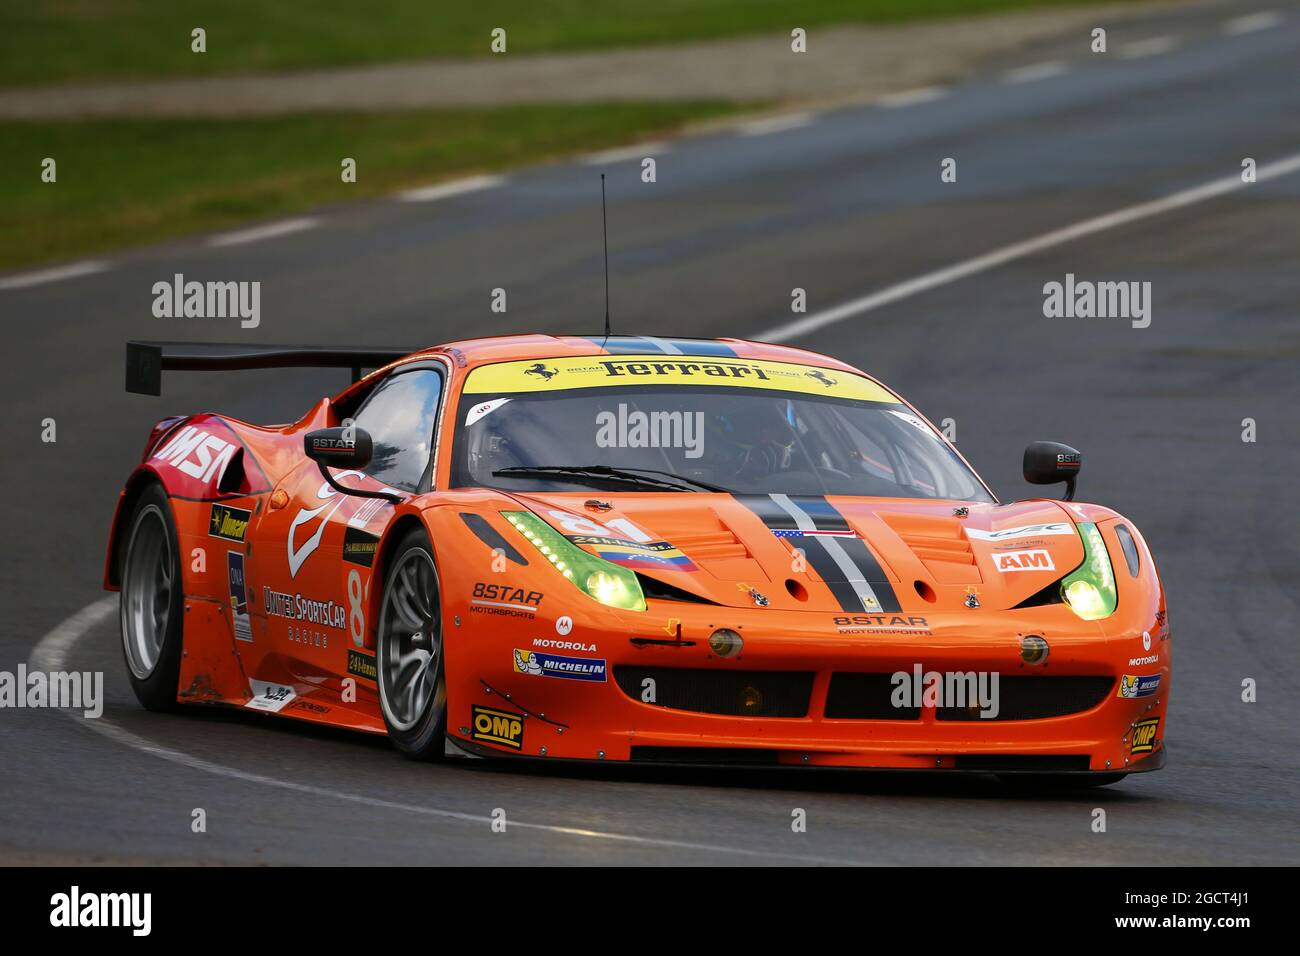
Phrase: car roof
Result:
[503,348]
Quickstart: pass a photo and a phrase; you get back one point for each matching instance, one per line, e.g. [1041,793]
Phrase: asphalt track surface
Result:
[844,206]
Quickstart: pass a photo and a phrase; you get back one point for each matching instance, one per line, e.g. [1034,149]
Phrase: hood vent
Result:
[939,543]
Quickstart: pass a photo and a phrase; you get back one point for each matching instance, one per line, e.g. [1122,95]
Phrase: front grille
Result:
[854,696]
[865,697]
[730,693]
[1034,698]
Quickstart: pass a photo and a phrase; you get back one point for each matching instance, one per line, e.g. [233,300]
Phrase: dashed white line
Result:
[925,94]
[70,271]
[51,654]
[624,153]
[1152,46]
[269,231]
[1035,71]
[1020,250]
[774,124]
[1252,22]
[457,187]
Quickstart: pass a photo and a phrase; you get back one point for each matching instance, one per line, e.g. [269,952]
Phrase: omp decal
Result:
[491,536]
[1027,531]
[625,344]
[1131,686]
[1144,735]
[842,561]
[497,727]
[238,596]
[269,697]
[1037,559]
[362,665]
[541,664]
[229,523]
[622,371]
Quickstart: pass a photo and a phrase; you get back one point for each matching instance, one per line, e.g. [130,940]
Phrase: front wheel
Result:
[412,691]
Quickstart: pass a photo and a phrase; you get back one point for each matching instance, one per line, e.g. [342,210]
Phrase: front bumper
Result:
[626,720]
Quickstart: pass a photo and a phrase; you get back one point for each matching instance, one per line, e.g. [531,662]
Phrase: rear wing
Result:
[145,361]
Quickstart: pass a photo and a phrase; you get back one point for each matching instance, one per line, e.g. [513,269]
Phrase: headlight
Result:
[602,580]
[1089,590]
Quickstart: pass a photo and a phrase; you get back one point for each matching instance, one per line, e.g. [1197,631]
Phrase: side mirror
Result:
[338,447]
[350,448]
[1049,462]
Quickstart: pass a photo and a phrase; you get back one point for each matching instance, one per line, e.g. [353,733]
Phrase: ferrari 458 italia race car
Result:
[633,549]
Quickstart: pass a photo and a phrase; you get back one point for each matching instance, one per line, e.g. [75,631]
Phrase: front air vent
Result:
[657,590]
[725,692]
[1037,698]
[865,697]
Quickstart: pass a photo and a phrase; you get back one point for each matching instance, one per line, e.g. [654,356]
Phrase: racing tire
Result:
[412,687]
[152,601]
[1059,782]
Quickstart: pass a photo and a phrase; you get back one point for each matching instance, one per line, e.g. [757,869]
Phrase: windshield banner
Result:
[561,374]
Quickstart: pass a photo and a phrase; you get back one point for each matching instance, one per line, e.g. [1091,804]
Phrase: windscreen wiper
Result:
[639,476]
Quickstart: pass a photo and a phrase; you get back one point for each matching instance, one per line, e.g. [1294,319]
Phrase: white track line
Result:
[1035,71]
[926,94]
[71,271]
[1019,250]
[774,124]
[457,187]
[623,154]
[1152,46]
[1251,22]
[269,231]
[52,652]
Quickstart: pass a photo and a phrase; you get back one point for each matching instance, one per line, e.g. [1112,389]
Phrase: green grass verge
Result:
[44,41]
[124,182]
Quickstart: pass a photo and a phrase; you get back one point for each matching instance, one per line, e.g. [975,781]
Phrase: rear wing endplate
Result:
[145,361]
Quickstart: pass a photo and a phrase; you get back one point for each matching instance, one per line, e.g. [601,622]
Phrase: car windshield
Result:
[753,428]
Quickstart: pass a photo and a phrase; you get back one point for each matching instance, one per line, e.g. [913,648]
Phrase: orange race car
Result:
[633,549]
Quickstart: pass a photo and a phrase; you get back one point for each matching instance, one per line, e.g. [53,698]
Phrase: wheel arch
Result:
[139,480]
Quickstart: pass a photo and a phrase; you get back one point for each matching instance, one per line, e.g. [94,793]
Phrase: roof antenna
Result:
[604,225]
